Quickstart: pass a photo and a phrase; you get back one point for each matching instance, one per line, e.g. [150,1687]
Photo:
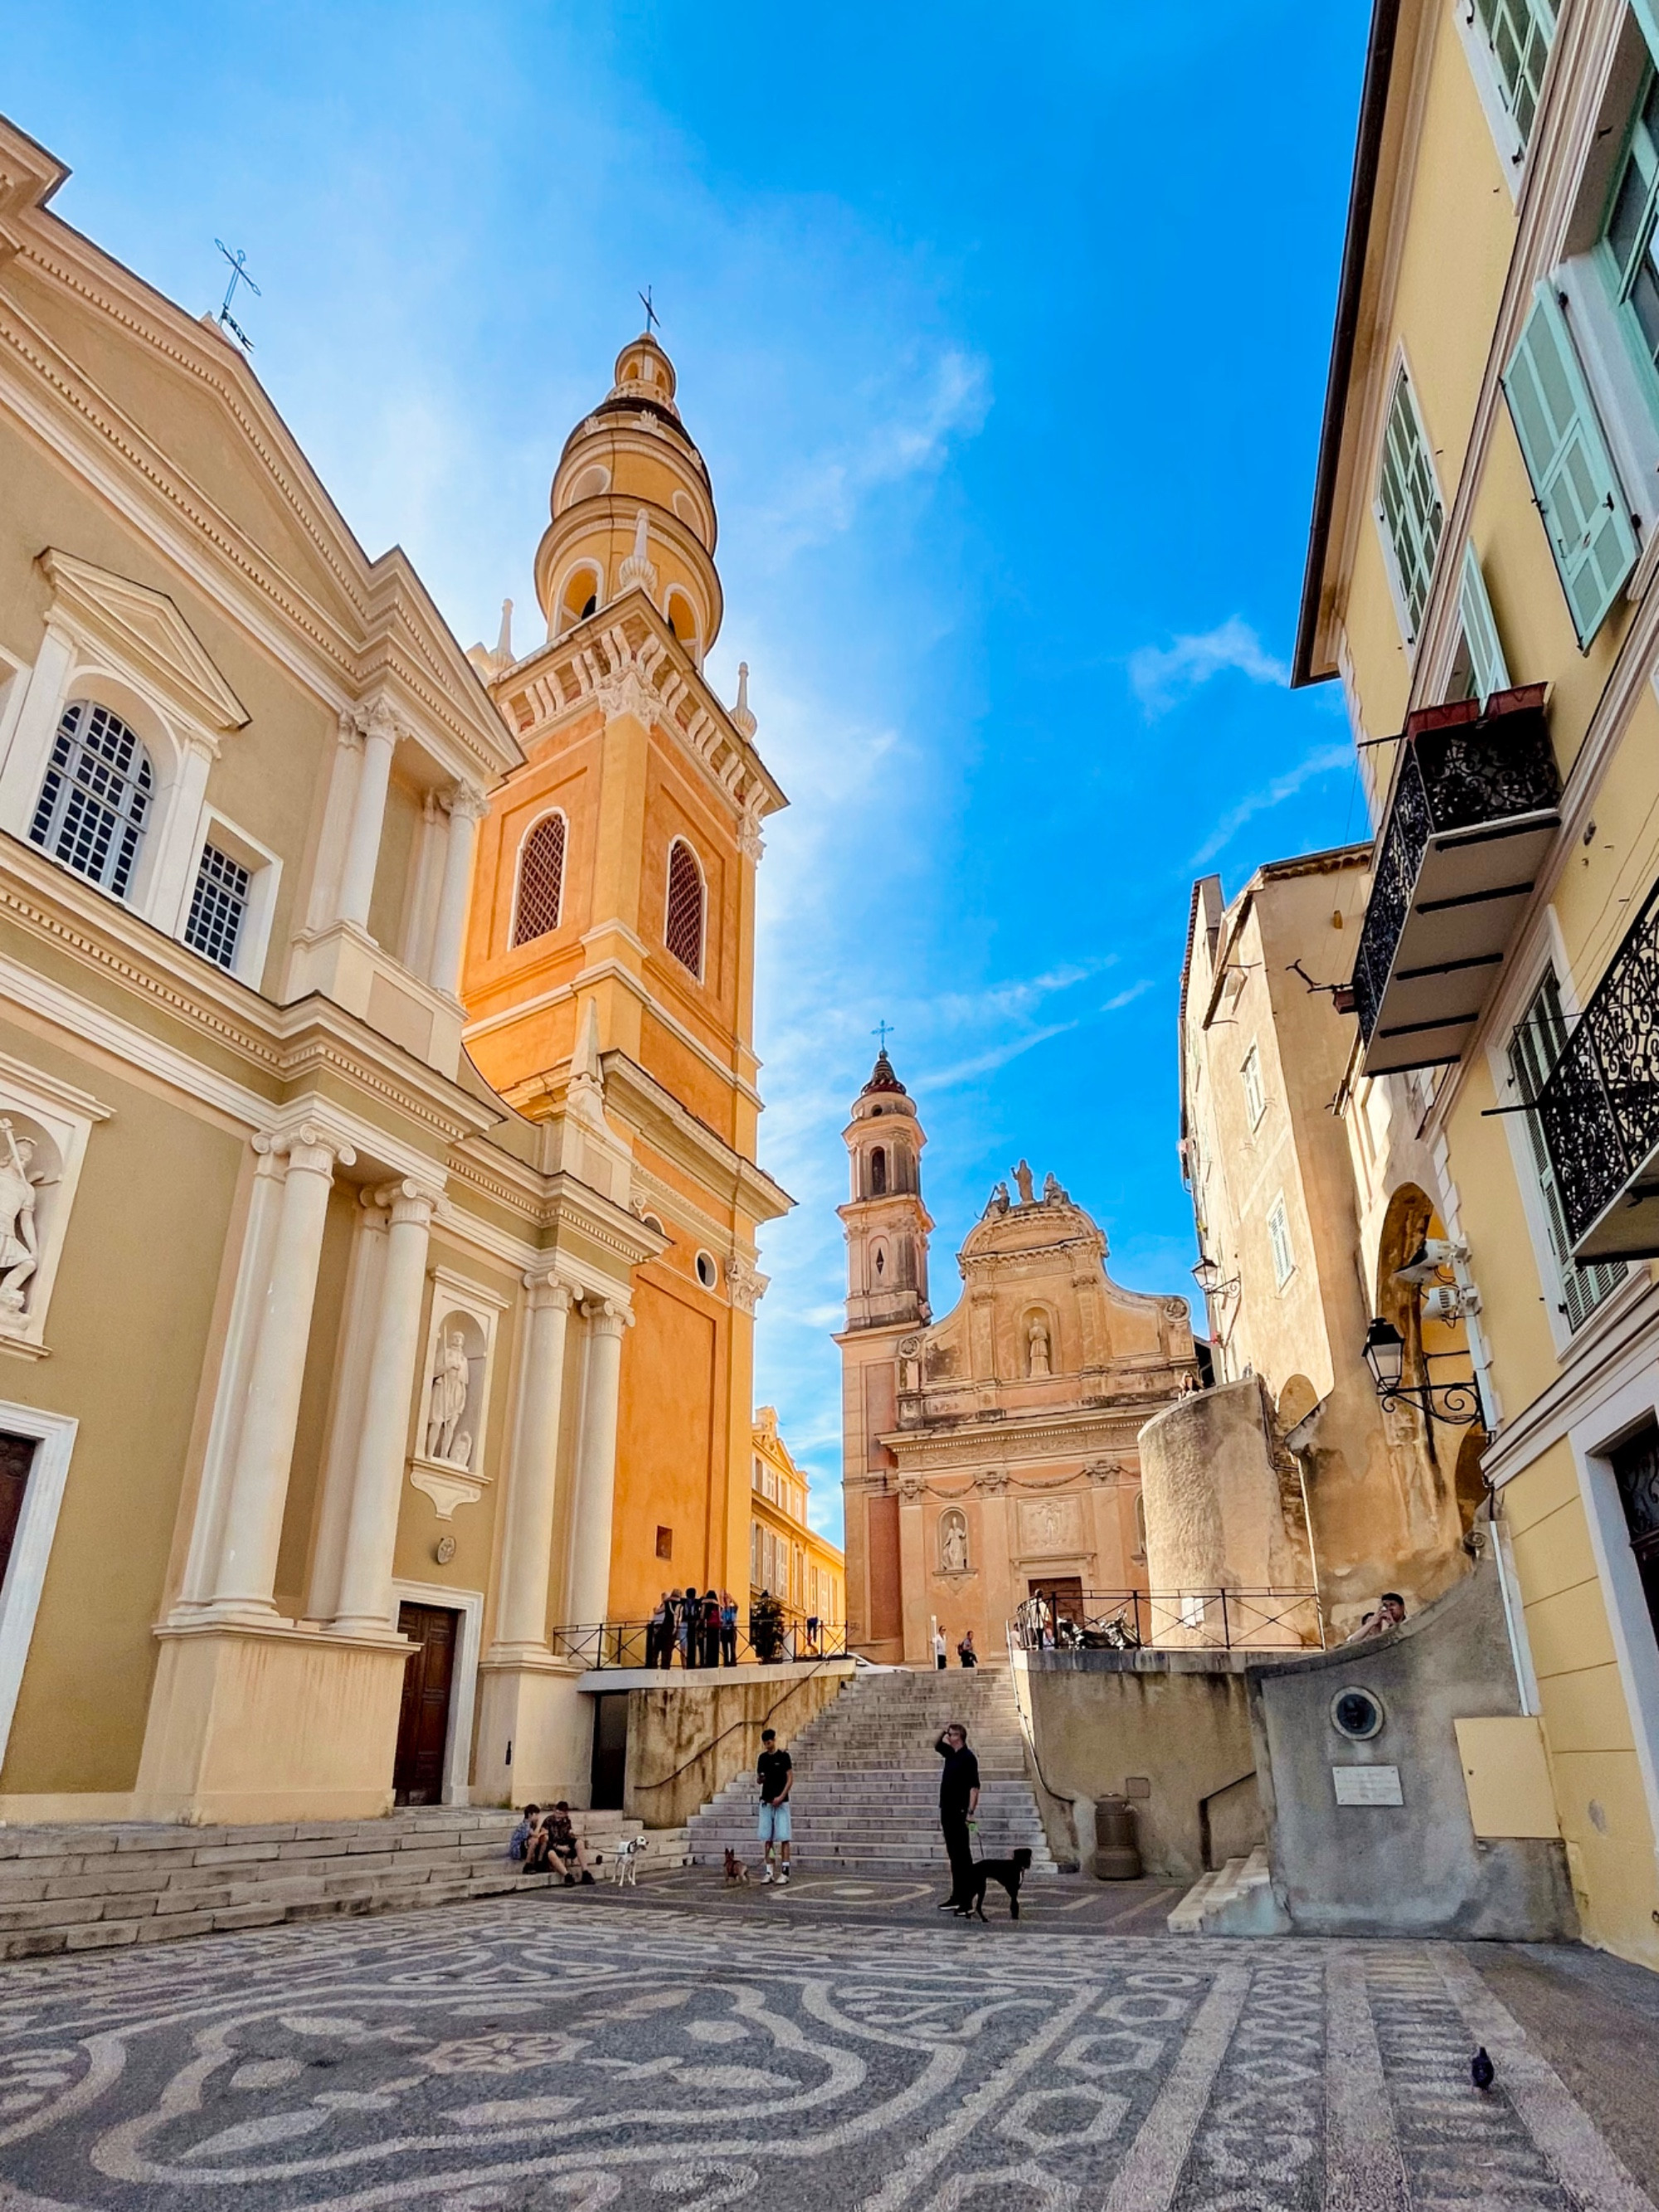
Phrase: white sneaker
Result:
[766,1875]
[783,1879]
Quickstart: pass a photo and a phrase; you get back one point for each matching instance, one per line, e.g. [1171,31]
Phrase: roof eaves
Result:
[1362,195]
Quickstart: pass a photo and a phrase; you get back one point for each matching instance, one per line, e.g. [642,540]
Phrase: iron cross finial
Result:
[652,318]
[238,276]
[882,1030]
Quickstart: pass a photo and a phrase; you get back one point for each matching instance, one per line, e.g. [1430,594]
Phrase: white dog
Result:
[624,1867]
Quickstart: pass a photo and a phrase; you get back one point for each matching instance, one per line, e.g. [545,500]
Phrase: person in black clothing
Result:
[773,1772]
[958,1801]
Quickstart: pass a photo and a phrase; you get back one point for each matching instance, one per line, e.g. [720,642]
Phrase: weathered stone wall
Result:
[1179,1720]
[1414,1868]
[1222,1501]
[689,1735]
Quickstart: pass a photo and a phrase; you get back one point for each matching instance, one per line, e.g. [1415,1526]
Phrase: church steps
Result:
[866,1791]
[72,1888]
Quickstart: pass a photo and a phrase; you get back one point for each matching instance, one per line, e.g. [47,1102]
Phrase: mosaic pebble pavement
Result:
[526,2054]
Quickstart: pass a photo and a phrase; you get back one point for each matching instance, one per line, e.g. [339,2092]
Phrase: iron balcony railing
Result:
[1474,779]
[1600,1106]
[1137,1620]
[757,1642]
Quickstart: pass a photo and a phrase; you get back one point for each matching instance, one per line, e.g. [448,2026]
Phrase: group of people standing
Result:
[967,1651]
[702,1628]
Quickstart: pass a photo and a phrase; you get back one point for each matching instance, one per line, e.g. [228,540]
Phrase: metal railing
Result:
[1162,1620]
[757,1642]
[1600,1106]
[1487,767]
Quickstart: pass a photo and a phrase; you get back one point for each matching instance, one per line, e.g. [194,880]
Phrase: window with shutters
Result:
[95,804]
[1512,38]
[1579,497]
[1631,256]
[682,930]
[539,898]
[1533,1049]
[1408,506]
[1479,669]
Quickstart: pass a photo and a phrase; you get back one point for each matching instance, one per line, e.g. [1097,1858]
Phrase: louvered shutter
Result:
[1479,630]
[1582,504]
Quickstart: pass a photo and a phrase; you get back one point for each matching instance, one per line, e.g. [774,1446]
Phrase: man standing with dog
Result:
[775,1771]
[958,1801]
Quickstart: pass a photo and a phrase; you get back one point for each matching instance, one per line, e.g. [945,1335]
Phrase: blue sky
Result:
[1004,333]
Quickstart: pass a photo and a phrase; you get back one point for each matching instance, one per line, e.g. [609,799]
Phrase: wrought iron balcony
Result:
[1472,814]
[1600,1109]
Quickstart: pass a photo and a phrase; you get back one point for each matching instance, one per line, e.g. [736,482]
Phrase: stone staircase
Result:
[95,1887]
[1236,1900]
[866,1791]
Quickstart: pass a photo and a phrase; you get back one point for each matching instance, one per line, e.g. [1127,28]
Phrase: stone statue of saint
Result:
[997,1203]
[1022,1177]
[1037,1346]
[1052,1192]
[448,1395]
[20,1247]
[954,1547]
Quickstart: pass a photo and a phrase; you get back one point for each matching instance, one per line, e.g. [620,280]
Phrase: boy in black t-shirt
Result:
[773,1772]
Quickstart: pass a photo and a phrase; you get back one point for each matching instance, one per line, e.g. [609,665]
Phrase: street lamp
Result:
[1457,1405]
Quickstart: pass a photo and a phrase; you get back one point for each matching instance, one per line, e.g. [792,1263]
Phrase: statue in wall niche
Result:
[1038,1350]
[1022,1180]
[20,1244]
[997,1203]
[953,1547]
[448,1403]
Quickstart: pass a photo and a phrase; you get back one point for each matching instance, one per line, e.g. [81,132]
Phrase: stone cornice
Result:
[386,625]
[626,660]
[1052,1436]
[642,1101]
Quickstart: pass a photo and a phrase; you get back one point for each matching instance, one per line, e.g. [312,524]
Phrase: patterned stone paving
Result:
[560,2051]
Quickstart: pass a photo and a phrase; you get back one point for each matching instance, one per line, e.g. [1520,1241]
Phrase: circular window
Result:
[1357,1715]
[707,1274]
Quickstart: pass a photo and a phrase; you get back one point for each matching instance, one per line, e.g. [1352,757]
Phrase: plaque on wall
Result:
[1367,1785]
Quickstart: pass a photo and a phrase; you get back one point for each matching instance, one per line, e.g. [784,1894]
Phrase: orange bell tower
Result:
[609,975]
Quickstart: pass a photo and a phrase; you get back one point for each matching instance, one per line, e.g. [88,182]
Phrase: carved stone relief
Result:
[43,1128]
[1049,1527]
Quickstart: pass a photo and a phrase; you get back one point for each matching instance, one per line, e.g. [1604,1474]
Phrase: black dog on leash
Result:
[1009,1872]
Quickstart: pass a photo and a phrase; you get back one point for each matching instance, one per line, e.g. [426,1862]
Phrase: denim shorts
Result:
[775,1823]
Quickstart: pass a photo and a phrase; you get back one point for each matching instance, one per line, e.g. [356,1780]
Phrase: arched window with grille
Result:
[683,929]
[95,804]
[878,1172]
[539,898]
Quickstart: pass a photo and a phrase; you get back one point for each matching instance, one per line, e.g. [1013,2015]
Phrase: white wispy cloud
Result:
[1161,677]
[1126,998]
[1325,762]
[999,1055]
[913,438]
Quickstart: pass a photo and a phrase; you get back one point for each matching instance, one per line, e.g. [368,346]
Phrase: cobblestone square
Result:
[682,2048]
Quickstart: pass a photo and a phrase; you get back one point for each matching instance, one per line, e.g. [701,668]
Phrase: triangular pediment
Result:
[146,630]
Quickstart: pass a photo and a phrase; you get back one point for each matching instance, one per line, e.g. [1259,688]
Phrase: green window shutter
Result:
[1538,1042]
[1518,34]
[1479,630]
[1581,500]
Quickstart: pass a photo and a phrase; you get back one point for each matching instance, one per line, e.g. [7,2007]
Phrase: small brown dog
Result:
[737,1873]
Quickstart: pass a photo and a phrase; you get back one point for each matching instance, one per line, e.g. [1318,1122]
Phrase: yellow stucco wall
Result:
[127,1330]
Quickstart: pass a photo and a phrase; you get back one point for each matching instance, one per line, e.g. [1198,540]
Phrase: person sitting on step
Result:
[555,1844]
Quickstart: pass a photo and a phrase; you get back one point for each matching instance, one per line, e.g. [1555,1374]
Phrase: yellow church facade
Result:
[788,1560]
[1485,534]
[338,1391]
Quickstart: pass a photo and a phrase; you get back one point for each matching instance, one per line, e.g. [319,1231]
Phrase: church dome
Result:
[882,1077]
[633,509]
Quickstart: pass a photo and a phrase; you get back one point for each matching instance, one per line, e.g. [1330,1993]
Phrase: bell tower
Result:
[887,1224]
[887,1229]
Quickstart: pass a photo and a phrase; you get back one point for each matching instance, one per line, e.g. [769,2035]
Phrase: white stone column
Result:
[34,731]
[596,1461]
[377,1484]
[258,1486]
[532,1486]
[467,809]
[367,814]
